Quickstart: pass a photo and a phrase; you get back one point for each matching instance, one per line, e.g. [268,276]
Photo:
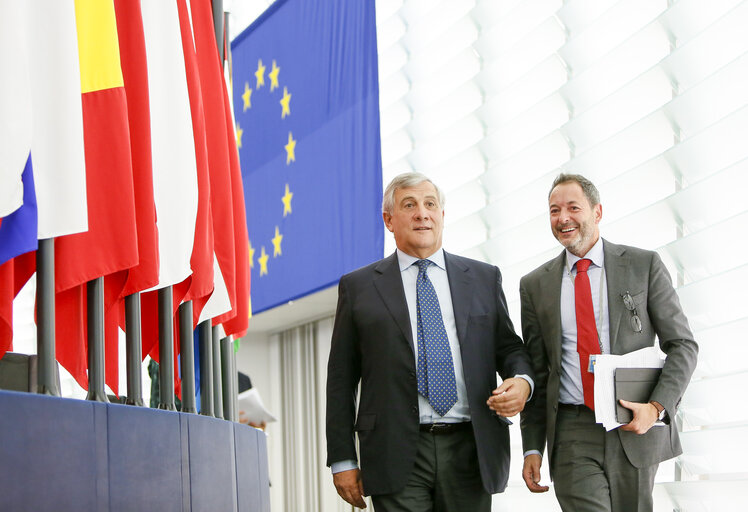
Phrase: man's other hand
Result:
[349,486]
[531,473]
[509,398]
[645,415]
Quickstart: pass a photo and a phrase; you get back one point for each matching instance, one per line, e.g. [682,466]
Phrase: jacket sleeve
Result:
[674,335]
[533,417]
[343,375]
[511,355]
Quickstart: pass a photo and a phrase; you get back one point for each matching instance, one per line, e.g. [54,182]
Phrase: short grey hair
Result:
[406,180]
[589,188]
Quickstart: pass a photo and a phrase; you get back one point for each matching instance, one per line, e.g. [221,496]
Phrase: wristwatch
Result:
[660,410]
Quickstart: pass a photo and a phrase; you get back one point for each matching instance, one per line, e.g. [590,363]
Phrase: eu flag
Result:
[306,103]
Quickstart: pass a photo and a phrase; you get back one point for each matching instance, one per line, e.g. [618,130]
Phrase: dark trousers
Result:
[446,478]
[590,470]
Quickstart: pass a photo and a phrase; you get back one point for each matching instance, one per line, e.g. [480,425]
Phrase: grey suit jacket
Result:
[627,269]
[372,344]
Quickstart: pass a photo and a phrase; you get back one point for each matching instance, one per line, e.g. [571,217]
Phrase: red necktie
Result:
[587,343]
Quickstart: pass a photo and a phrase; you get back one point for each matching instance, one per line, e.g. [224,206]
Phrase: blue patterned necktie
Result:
[436,372]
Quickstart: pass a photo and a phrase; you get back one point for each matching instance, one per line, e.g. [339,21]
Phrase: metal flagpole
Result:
[217,381]
[205,340]
[187,357]
[45,318]
[96,357]
[134,350]
[230,379]
[166,350]
[218,22]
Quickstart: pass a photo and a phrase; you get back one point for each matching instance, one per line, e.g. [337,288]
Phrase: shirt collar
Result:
[406,260]
[595,254]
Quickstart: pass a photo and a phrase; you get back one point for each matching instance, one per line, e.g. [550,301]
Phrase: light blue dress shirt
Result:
[437,273]
[571,391]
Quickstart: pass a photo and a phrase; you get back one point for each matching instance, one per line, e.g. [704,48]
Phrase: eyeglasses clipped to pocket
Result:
[631,302]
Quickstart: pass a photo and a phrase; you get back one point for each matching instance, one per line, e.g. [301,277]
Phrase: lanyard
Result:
[599,320]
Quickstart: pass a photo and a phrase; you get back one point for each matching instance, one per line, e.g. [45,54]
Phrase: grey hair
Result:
[406,180]
[589,189]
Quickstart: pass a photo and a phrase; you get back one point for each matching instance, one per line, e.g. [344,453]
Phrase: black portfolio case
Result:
[634,385]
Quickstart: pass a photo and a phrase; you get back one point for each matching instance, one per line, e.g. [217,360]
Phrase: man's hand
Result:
[349,486]
[509,398]
[645,415]
[531,473]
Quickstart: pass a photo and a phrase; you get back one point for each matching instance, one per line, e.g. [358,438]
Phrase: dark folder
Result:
[634,385]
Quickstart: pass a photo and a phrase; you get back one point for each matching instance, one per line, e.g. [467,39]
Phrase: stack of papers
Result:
[251,406]
[605,369]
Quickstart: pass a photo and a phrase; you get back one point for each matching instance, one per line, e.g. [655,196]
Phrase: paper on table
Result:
[605,368]
[251,406]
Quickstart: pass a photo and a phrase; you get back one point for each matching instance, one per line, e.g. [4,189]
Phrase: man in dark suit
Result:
[423,332]
[617,298]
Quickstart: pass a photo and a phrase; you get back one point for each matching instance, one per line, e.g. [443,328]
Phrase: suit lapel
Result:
[552,291]
[389,285]
[617,266]
[460,286]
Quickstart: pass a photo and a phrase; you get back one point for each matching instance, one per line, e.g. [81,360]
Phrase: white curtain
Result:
[307,482]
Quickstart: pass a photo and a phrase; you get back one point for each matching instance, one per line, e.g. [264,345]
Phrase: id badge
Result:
[591,366]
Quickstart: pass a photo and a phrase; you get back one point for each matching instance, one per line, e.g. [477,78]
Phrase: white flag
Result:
[173,145]
[15,105]
[219,302]
[57,144]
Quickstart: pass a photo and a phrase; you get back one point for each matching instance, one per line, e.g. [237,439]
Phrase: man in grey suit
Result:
[423,332]
[629,299]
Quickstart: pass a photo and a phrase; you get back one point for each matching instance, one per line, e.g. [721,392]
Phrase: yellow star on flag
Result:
[260,74]
[247,97]
[290,149]
[285,103]
[263,260]
[287,201]
[277,243]
[274,77]
[239,133]
[251,255]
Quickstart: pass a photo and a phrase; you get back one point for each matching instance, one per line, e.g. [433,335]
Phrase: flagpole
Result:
[230,384]
[45,311]
[134,350]
[96,357]
[218,22]
[217,381]
[205,338]
[228,356]
[166,349]
[187,357]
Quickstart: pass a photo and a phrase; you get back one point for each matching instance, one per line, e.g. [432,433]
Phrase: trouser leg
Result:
[630,487]
[459,486]
[445,478]
[591,471]
[577,463]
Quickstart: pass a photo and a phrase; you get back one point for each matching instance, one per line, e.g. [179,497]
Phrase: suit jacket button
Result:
[412,375]
[415,409]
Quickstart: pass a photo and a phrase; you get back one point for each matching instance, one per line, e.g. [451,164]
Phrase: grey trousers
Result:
[446,478]
[591,471]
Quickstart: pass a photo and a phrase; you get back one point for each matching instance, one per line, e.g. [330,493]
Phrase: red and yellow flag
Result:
[109,247]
